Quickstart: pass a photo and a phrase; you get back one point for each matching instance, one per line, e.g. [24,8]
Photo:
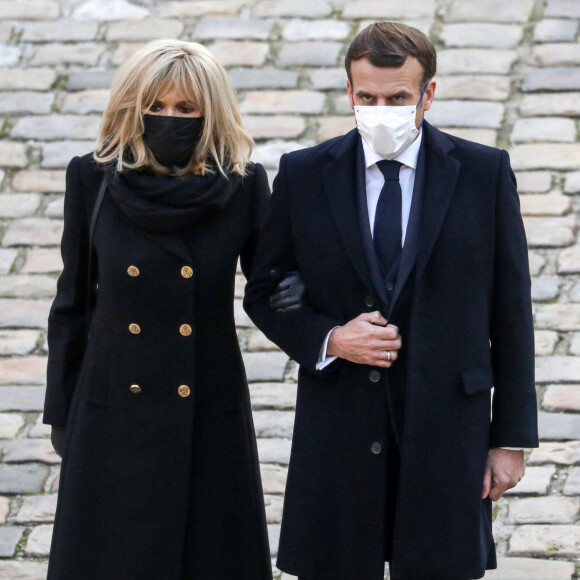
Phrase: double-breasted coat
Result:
[160,476]
[461,298]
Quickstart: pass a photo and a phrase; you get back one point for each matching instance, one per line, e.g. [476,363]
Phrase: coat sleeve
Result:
[67,330]
[514,419]
[300,333]
[260,195]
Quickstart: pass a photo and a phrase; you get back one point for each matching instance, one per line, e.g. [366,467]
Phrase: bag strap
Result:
[94,216]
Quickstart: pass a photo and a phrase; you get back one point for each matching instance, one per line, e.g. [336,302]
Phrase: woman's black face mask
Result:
[172,140]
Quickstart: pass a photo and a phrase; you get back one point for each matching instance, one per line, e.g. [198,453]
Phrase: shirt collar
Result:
[408,157]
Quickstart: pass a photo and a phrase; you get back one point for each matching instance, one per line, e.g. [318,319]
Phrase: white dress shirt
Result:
[374,181]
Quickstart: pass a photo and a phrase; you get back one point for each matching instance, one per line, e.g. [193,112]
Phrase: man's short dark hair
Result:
[388,44]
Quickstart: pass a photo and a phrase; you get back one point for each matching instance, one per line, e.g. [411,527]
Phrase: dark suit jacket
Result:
[464,276]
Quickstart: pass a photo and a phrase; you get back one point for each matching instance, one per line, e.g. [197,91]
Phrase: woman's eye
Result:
[186,110]
[154,108]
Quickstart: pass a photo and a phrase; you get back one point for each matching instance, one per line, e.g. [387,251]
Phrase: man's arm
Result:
[302,332]
[514,419]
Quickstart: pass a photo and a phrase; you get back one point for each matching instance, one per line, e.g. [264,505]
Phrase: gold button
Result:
[134,328]
[185,330]
[133,271]
[187,272]
[184,391]
[135,389]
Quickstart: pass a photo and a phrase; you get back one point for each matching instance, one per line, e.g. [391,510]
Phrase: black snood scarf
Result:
[172,140]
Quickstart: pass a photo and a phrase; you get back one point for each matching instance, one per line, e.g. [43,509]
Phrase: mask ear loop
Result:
[424,91]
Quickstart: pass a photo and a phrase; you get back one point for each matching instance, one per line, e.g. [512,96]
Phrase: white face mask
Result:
[387,130]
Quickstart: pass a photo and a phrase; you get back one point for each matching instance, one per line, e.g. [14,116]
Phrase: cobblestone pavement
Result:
[509,75]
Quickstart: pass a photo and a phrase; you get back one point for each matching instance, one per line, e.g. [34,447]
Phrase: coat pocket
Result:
[477,380]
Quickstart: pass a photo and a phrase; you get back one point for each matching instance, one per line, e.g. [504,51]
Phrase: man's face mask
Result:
[388,130]
[172,140]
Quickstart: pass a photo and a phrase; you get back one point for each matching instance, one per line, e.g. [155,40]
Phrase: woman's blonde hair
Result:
[195,73]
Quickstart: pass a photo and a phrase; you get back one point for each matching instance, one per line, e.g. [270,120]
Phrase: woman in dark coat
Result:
[160,477]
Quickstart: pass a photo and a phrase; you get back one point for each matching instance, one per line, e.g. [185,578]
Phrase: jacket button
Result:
[187,271]
[185,330]
[390,287]
[376,447]
[135,389]
[183,391]
[369,301]
[375,376]
[134,328]
[133,271]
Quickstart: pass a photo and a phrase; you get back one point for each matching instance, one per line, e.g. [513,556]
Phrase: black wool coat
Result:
[160,477]
[463,294]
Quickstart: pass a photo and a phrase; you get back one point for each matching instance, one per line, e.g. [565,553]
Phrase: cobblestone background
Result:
[509,75]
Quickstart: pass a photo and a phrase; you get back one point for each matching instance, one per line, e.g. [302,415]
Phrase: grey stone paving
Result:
[509,75]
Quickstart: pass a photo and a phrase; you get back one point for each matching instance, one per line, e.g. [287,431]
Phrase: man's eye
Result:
[367,98]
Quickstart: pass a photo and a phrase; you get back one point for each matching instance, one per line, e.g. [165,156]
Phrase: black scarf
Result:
[160,203]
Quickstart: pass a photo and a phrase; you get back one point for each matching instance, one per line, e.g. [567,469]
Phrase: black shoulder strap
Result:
[95,215]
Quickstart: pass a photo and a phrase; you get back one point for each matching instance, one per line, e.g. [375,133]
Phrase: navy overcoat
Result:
[462,295]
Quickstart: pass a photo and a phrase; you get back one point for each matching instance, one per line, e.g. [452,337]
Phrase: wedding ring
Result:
[389,357]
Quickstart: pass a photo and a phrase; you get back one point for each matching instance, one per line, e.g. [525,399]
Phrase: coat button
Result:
[369,301]
[184,391]
[376,447]
[133,271]
[390,287]
[134,328]
[375,376]
[135,389]
[185,330]
[187,271]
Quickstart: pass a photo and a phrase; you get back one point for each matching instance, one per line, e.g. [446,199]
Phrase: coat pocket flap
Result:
[477,380]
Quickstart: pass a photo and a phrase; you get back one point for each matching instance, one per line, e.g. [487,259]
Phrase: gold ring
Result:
[389,357]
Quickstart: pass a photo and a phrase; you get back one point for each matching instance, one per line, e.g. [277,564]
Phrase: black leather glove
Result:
[57,439]
[289,293]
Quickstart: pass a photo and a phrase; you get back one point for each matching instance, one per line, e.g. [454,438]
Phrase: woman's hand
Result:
[289,293]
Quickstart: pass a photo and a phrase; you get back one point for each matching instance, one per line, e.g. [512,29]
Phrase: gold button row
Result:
[184,329]
[186,271]
[182,391]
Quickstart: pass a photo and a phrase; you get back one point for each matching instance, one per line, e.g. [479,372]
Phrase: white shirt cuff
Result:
[323,360]
[513,448]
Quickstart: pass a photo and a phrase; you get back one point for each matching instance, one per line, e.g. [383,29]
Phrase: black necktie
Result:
[387,233]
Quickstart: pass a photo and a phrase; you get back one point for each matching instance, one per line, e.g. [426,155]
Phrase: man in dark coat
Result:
[413,253]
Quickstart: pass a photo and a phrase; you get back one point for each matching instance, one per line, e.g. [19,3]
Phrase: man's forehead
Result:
[409,76]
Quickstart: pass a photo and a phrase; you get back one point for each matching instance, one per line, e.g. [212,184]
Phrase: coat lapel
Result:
[441,173]
[340,180]
[173,243]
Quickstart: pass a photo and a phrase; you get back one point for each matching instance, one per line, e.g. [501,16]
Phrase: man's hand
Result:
[367,340]
[503,470]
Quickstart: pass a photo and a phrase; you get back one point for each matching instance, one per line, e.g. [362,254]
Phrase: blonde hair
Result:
[197,75]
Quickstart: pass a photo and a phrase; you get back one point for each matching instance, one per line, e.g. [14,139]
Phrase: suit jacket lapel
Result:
[409,251]
[340,179]
[442,171]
